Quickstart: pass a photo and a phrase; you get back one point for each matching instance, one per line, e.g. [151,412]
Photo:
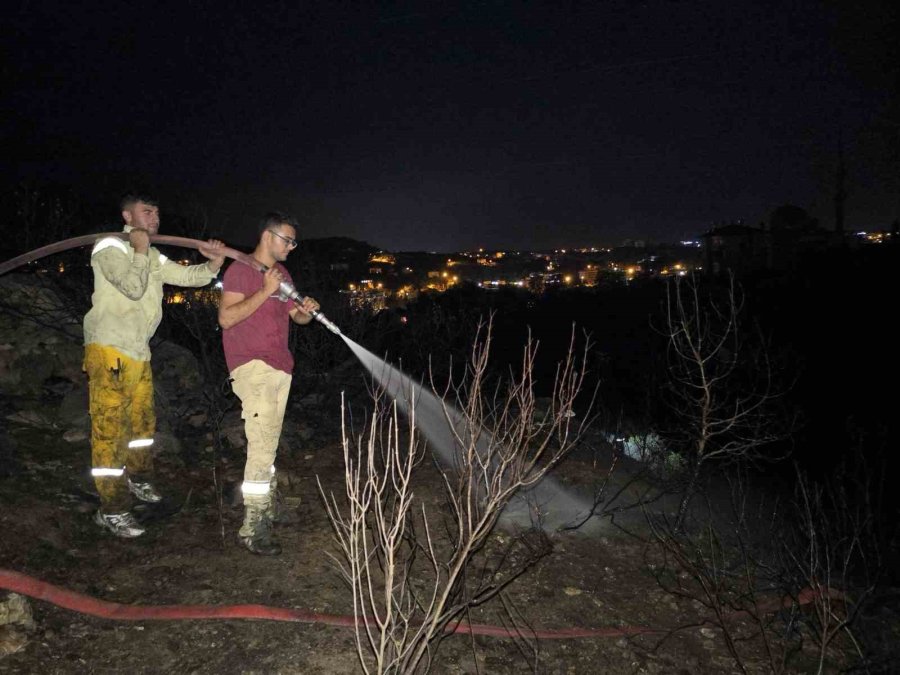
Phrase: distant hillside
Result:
[330,262]
[337,248]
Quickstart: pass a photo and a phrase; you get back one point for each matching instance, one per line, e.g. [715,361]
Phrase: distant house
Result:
[793,234]
[735,248]
[588,276]
[790,236]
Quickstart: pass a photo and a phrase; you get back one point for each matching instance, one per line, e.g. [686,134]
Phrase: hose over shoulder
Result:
[89,239]
[184,242]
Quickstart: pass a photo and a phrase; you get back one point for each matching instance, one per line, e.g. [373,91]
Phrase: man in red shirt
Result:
[255,318]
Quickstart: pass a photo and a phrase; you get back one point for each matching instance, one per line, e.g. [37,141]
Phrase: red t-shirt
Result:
[264,334]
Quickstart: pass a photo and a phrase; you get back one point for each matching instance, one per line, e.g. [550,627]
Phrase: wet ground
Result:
[189,556]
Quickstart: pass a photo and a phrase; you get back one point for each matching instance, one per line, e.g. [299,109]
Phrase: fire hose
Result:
[86,240]
[85,604]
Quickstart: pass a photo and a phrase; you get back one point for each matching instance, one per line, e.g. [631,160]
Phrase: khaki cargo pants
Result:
[263,391]
[122,423]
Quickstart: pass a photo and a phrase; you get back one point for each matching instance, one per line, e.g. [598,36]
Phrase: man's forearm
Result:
[129,277]
[192,276]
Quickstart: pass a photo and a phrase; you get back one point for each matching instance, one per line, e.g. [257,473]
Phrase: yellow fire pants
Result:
[263,391]
[122,423]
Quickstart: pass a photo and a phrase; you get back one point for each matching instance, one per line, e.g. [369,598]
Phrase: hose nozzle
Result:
[325,321]
[291,292]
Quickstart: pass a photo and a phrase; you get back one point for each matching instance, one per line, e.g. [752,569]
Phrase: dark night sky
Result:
[454,125]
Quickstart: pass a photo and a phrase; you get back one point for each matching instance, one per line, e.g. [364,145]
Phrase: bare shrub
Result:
[723,562]
[775,576]
[833,558]
[722,387]
[413,581]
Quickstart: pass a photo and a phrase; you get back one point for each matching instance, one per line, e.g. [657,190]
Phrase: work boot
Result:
[256,532]
[120,524]
[144,491]
[280,513]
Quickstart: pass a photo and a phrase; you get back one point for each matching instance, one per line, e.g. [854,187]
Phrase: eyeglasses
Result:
[290,242]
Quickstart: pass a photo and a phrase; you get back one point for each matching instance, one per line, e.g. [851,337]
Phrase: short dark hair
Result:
[274,219]
[131,198]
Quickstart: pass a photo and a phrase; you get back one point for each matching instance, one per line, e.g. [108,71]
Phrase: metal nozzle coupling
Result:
[322,319]
[289,291]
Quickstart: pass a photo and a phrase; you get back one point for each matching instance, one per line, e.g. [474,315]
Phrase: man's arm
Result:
[303,314]
[195,275]
[129,277]
[235,307]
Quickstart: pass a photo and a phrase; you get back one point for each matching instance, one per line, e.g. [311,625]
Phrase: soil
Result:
[189,556]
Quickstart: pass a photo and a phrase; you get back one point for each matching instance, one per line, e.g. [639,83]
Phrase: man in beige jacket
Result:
[126,308]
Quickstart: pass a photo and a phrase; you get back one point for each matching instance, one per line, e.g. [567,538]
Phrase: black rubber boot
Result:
[280,513]
[256,533]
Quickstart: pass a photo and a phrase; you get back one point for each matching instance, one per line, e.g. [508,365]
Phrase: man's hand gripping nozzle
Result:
[291,292]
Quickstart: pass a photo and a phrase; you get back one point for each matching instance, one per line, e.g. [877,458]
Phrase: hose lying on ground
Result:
[84,604]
